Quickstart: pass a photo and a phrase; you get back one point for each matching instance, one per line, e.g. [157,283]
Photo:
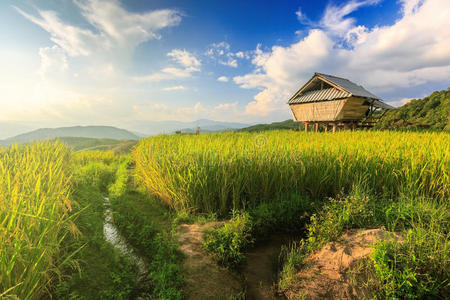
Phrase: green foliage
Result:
[228,242]
[100,269]
[291,259]
[147,227]
[288,124]
[431,112]
[356,210]
[285,215]
[119,187]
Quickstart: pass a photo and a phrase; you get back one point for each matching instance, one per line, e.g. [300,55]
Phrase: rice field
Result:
[34,217]
[225,171]
[220,174]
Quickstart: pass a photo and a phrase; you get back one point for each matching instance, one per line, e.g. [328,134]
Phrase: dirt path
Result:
[204,278]
[260,269]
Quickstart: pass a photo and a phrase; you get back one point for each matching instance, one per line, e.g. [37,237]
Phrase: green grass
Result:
[101,272]
[148,227]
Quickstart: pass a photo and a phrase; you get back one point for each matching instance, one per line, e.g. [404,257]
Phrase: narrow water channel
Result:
[113,236]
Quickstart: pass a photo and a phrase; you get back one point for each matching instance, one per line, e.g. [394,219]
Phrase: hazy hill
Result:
[102,132]
[82,144]
[156,127]
[431,112]
[288,124]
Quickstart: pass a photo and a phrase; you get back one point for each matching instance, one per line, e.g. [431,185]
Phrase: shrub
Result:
[228,242]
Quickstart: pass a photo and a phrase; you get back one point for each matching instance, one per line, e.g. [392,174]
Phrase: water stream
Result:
[113,236]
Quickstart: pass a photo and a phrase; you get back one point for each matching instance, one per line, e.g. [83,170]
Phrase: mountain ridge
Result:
[98,132]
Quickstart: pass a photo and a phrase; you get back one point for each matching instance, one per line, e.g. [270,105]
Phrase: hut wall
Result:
[317,111]
[353,109]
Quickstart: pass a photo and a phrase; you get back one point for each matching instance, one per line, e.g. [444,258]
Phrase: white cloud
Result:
[222,54]
[240,54]
[174,88]
[335,18]
[116,29]
[406,100]
[303,18]
[53,59]
[223,111]
[223,79]
[227,106]
[184,58]
[412,51]
[230,62]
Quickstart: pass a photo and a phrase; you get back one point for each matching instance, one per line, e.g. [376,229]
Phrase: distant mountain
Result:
[288,124]
[431,112]
[83,144]
[156,127]
[98,132]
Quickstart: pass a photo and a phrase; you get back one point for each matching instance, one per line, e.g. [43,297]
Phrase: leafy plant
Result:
[228,242]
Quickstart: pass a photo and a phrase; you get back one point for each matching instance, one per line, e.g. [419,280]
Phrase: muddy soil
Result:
[260,269]
[204,278]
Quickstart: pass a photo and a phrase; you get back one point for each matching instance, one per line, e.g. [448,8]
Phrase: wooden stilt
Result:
[334,127]
[325,126]
[316,127]
[306,126]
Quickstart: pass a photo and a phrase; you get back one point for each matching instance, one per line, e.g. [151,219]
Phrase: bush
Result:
[285,215]
[227,243]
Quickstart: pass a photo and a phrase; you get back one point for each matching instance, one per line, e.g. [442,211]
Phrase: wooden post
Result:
[353,126]
[316,127]
[334,127]
[325,126]
[306,126]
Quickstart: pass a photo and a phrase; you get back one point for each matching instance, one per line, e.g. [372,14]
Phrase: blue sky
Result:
[67,62]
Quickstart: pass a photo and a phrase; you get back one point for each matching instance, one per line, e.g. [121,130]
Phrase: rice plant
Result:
[225,171]
[34,217]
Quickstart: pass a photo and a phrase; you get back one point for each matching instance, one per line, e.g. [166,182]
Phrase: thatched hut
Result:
[335,101]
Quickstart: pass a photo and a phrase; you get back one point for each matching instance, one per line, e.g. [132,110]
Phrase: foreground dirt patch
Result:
[260,268]
[323,276]
[204,278]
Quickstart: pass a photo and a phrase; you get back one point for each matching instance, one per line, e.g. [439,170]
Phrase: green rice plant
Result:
[86,157]
[219,172]
[35,217]
[119,187]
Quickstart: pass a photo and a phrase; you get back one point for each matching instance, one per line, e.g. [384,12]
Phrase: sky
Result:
[99,62]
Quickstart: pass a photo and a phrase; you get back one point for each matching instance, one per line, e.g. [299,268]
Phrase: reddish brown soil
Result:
[323,276]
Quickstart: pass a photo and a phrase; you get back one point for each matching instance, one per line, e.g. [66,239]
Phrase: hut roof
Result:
[333,88]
